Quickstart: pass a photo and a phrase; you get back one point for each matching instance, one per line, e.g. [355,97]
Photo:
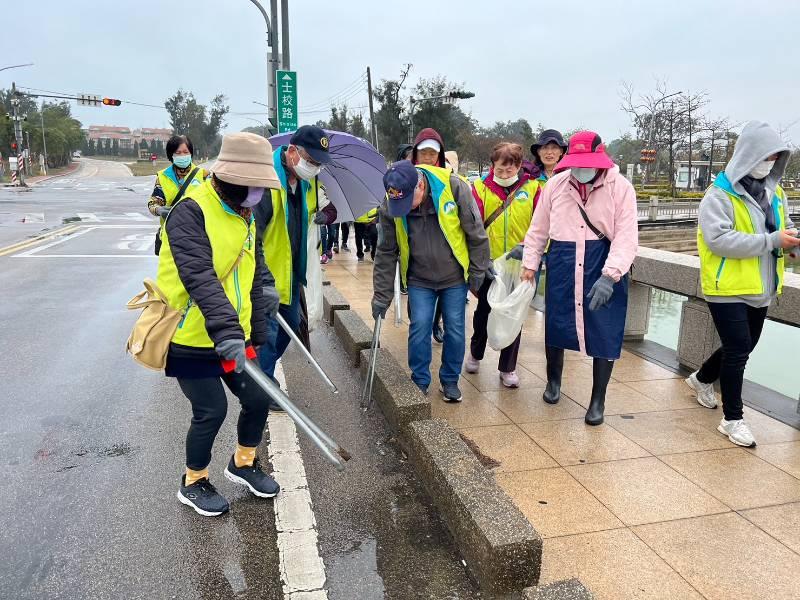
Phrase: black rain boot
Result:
[601,374]
[555,365]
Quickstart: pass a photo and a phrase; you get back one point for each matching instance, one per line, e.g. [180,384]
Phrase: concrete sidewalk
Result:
[655,503]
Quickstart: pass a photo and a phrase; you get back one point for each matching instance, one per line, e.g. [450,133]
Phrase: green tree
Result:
[447,118]
[202,124]
[358,128]
[144,145]
[115,147]
[339,120]
[390,118]
[136,148]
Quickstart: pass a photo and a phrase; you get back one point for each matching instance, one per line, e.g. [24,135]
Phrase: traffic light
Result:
[647,156]
[111,102]
[14,147]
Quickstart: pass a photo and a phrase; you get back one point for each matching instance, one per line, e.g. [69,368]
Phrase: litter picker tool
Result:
[282,322]
[335,454]
[366,393]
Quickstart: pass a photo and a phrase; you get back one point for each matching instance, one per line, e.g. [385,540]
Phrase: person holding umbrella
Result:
[588,213]
[211,269]
[430,224]
[547,151]
[506,198]
[282,222]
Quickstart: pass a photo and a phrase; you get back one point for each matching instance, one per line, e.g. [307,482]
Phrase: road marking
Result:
[83,256]
[129,216]
[33,241]
[301,566]
[70,236]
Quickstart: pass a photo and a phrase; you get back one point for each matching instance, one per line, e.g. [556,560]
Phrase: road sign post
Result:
[287,100]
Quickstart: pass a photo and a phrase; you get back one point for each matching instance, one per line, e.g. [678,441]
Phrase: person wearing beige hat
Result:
[211,268]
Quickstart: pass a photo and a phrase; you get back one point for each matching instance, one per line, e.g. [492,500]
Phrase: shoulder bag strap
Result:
[502,208]
[185,185]
[591,226]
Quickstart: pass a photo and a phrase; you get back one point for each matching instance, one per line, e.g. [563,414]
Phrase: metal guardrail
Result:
[681,210]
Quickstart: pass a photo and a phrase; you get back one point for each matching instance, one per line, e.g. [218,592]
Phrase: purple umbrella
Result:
[353,179]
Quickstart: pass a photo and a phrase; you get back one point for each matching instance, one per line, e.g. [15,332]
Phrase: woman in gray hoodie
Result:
[744,228]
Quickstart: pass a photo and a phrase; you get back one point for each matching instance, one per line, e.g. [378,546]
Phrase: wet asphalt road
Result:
[92,444]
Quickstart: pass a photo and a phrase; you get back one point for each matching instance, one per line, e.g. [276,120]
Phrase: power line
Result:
[358,83]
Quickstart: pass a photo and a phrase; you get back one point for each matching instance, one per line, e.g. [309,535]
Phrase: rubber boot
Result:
[601,374]
[555,365]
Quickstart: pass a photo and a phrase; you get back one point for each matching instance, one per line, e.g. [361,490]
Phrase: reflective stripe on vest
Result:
[447,212]
[171,186]
[229,236]
[725,276]
[276,243]
[510,228]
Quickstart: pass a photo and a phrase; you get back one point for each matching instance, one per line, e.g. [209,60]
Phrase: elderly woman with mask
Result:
[588,212]
[547,151]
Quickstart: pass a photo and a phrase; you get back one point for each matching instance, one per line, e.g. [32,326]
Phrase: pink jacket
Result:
[611,207]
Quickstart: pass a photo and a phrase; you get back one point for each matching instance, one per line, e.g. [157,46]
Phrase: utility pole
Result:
[689,111]
[711,158]
[272,42]
[373,128]
[671,151]
[17,128]
[285,34]
[44,139]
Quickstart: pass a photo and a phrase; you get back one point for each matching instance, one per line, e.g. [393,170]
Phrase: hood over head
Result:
[429,134]
[757,141]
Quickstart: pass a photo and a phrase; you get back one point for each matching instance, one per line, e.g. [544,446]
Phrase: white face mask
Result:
[583,174]
[505,181]
[762,169]
[305,170]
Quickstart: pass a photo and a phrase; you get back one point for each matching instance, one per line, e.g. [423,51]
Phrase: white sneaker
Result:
[472,364]
[510,379]
[705,391]
[738,432]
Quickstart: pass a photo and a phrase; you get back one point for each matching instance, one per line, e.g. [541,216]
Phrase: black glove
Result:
[320,218]
[516,252]
[379,309]
[233,350]
[272,300]
[491,274]
[476,282]
[601,292]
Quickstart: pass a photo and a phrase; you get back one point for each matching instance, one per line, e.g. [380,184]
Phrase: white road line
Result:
[65,238]
[301,566]
[143,255]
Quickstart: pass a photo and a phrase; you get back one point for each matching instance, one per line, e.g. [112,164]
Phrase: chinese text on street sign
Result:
[287,100]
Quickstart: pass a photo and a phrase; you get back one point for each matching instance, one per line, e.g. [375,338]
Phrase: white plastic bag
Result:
[313,279]
[510,299]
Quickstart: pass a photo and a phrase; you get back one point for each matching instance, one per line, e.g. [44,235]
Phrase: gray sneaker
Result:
[705,391]
[738,432]
[451,392]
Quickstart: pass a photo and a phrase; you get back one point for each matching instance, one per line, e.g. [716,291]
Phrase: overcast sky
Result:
[560,64]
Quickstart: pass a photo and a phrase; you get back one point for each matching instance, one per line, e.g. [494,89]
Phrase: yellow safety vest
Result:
[726,276]
[167,178]
[277,246]
[509,229]
[447,213]
[229,235]
[368,216]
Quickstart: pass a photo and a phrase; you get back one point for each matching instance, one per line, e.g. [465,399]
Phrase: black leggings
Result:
[739,327]
[209,407]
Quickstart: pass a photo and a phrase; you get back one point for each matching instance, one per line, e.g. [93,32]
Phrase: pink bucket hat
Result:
[586,150]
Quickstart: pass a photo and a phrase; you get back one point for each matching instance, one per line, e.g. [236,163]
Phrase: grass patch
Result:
[146,168]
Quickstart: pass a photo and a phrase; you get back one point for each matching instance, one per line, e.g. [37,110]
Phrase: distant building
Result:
[126,137]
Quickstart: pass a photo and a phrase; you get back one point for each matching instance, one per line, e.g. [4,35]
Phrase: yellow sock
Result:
[192,475]
[244,456]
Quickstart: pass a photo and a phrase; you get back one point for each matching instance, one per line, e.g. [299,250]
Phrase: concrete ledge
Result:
[332,300]
[501,548]
[400,400]
[568,589]
[352,332]
[677,273]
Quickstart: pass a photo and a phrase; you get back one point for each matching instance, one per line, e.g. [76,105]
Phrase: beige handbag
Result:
[154,329]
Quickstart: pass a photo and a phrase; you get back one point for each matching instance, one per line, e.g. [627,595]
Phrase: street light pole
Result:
[285,33]
[272,42]
[44,139]
[17,66]
[450,97]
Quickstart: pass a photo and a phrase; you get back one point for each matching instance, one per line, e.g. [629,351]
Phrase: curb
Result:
[500,546]
[400,400]
[567,589]
[49,177]
[352,332]
[332,300]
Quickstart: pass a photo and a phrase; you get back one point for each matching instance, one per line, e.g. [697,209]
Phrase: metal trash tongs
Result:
[282,322]
[366,393]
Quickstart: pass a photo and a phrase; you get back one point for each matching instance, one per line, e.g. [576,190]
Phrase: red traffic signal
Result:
[14,146]
[111,102]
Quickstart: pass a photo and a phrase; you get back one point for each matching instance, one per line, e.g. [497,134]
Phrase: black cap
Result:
[313,140]
[547,136]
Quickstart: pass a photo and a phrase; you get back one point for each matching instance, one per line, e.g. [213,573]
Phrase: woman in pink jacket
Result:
[588,212]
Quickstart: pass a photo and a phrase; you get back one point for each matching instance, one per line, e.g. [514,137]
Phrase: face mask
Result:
[304,170]
[584,175]
[505,181]
[182,160]
[254,195]
[762,169]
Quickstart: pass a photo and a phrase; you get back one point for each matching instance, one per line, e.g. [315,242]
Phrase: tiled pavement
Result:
[655,503]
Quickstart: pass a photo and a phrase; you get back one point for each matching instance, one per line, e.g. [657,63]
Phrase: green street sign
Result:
[286,84]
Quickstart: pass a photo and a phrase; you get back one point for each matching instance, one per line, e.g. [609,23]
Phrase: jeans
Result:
[739,327]
[508,356]
[209,407]
[277,339]
[422,302]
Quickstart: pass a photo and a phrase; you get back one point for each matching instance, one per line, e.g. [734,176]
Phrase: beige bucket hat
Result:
[246,159]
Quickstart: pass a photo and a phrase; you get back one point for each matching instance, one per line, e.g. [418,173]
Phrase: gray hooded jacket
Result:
[757,142]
